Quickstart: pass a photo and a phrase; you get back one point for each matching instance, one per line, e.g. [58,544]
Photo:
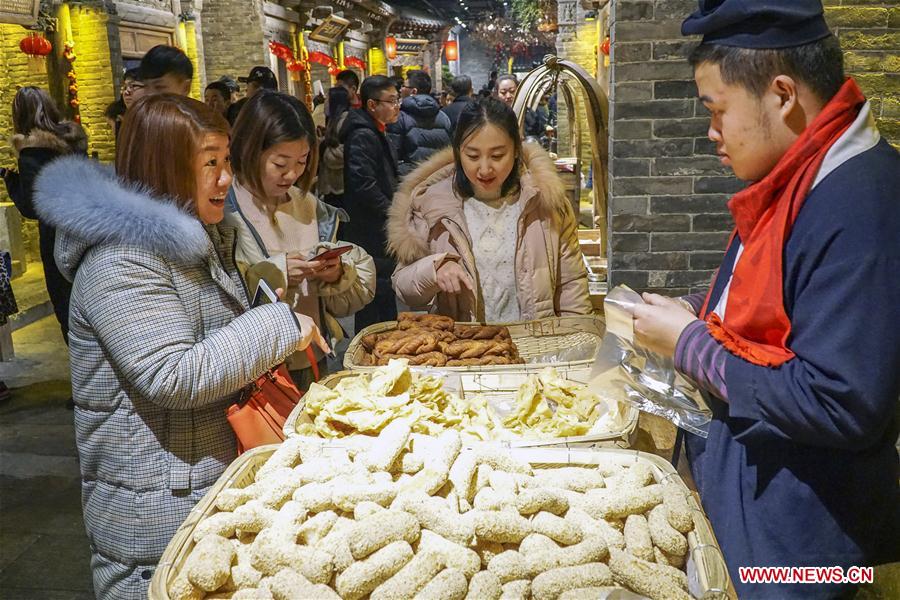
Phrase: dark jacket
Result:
[453,110]
[800,467]
[421,130]
[536,122]
[35,151]
[234,109]
[370,178]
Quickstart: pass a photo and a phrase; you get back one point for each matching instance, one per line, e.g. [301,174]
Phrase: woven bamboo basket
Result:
[707,573]
[502,386]
[533,339]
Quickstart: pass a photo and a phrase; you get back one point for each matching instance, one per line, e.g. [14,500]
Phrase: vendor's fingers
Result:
[279,292]
[655,299]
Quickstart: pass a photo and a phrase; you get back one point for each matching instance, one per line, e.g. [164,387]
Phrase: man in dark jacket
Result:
[370,178]
[461,88]
[422,128]
[796,346]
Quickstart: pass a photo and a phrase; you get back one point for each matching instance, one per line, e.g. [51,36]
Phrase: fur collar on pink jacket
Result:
[426,226]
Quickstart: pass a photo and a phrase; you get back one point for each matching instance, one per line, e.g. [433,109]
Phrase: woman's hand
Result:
[330,270]
[452,278]
[658,323]
[300,270]
[310,334]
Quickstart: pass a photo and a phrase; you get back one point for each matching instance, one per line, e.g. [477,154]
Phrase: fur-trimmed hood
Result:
[72,141]
[90,206]
[428,194]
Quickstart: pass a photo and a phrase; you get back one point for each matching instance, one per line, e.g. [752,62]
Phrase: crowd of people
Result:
[152,264]
[444,207]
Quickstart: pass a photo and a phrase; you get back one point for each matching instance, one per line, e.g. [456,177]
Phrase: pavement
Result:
[44,553]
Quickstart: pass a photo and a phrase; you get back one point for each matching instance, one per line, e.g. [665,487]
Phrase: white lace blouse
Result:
[493,227]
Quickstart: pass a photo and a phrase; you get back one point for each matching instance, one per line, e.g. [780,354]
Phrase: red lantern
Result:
[451,49]
[35,45]
[390,47]
[295,66]
[604,47]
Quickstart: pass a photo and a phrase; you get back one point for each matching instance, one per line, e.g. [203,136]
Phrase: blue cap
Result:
[758,23]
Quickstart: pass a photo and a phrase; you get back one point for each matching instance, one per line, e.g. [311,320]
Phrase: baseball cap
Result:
[263,75]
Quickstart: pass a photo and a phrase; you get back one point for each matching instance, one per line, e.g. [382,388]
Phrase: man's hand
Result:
[659,323]
[452,278]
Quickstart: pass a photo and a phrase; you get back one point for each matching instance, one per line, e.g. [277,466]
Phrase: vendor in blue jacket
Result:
[797,343]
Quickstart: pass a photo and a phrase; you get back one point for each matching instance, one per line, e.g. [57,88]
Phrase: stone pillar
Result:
[96,90]
[233,37]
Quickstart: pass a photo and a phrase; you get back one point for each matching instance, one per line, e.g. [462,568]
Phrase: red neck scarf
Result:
[758,326]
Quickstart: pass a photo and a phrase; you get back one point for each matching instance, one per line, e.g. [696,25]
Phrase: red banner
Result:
[352,61]
[321,58]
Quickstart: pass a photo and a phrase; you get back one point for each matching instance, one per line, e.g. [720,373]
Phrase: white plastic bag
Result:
[629,373]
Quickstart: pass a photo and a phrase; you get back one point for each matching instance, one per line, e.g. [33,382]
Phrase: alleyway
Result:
[43,549]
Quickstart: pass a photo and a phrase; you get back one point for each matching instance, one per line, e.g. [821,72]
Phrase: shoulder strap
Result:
[231,204]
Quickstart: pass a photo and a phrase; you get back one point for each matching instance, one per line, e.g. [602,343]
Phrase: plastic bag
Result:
[626,372]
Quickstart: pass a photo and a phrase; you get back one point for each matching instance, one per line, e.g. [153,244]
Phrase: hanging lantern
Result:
[451,49]
[604,46]
[35,45]
[390,47]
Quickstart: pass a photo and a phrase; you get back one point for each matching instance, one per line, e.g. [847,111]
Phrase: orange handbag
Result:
[258,418]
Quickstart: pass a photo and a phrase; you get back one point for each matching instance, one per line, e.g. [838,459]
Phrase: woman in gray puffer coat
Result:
[161,336]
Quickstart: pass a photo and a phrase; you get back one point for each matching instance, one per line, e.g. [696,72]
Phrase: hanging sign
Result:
[330,30]
[410,46]
[21,12]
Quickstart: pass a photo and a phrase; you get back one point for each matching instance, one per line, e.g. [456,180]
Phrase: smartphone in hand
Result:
[264,294]
[332,253]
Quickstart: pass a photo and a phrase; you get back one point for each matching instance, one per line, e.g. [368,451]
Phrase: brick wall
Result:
[667,189]
[232,37]
[870,37]
[91,31]
[668,192]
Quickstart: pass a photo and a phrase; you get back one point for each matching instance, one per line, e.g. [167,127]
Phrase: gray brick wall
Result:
[232,37]
[668,192]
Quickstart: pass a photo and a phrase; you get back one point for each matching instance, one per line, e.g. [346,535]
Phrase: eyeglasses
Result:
[395,101]
[132,87]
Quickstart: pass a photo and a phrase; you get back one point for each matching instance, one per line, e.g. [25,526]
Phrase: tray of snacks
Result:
[411,516]
[518,408]
[428,340]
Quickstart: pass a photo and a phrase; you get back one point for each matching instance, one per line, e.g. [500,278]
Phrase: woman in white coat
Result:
[282,227]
